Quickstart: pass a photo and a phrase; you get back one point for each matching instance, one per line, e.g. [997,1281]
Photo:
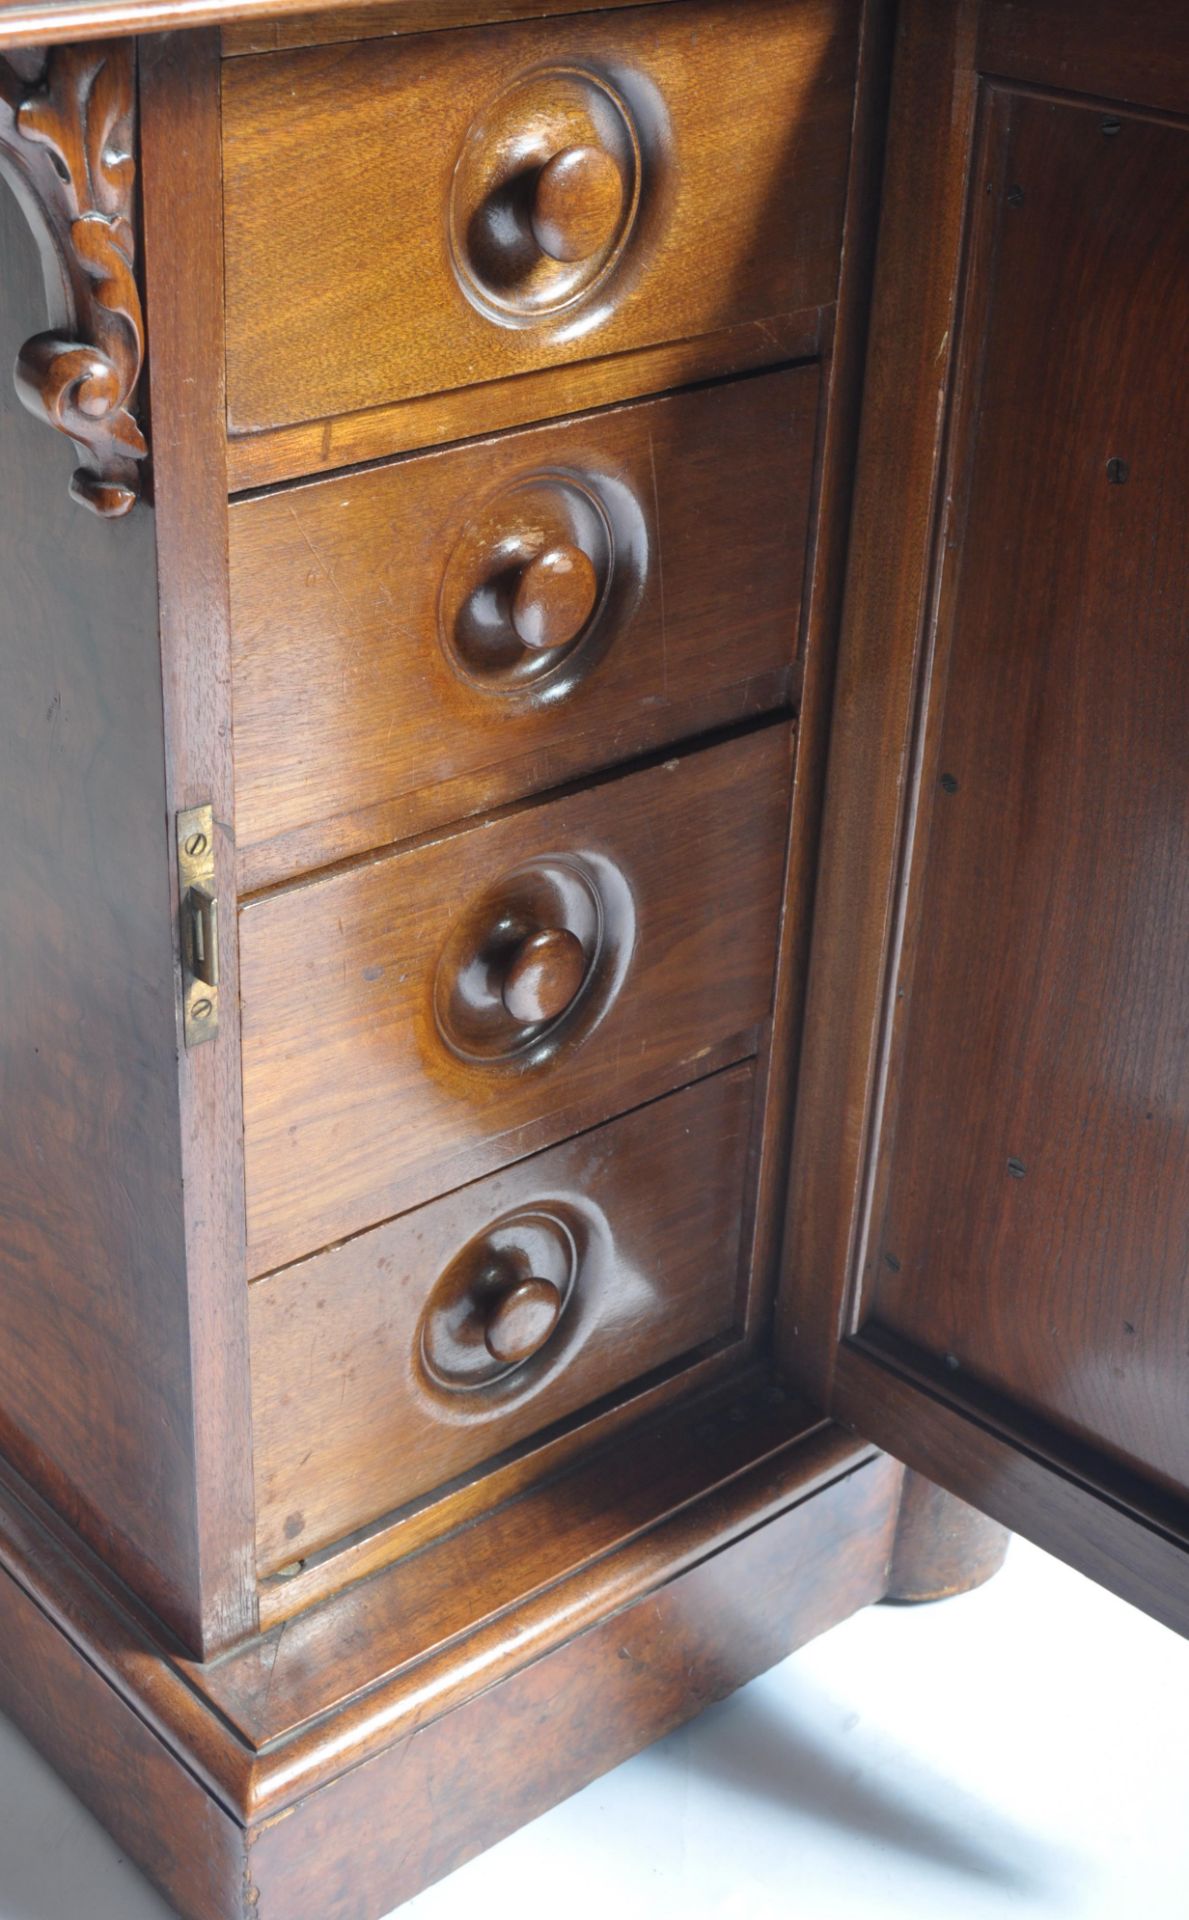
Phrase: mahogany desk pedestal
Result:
[594,877]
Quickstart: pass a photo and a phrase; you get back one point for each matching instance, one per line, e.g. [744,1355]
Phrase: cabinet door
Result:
[989,1211]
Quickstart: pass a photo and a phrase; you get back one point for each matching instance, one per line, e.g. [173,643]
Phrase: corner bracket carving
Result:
[67,120]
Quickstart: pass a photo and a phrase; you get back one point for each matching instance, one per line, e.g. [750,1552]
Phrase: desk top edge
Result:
[43,23]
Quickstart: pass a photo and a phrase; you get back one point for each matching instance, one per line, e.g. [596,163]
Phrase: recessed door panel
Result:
[1033,1214]
[987,1266]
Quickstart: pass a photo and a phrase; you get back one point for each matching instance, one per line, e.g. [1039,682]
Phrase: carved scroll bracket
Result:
[67,148]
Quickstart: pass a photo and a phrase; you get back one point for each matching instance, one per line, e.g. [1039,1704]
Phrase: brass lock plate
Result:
[200,924]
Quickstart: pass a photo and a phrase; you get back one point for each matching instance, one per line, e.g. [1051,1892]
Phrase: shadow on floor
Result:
[802,1753]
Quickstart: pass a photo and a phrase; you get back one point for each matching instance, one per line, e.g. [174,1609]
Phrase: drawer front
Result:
[423,1019]
[419,641]
[449,209]
[382,17]
[470,1324]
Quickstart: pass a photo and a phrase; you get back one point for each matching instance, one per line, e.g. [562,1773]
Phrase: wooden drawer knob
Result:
[554,598]
[521,1320]
[578,205]
[544,976]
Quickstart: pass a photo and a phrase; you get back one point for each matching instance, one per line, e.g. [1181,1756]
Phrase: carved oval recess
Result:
[530,518]
[67,132]
[545,197]
[568,918]
[542,1244]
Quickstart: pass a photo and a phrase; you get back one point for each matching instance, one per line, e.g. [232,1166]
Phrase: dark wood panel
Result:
[842,377]
[563,1721]
[732,175]
[884,613]
[1027,1488]
[96,1405]
[381,1063]
[183,245]
[122,1639]
[1035,1205]
[327,24]
[1064,1490]
[161,1817]
[370,703]
[639,1225]
[1138,53]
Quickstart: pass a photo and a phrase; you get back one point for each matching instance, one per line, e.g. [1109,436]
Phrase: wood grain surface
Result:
[1028,1481]
[1037,1235]
[139,1788]
[883,614]
[40,23]
[358,1102]
[343,1682]
[551,393]
[793,1517]
[653,1208]
[267,33]
[842,384]
[96,1404]
[557,1725]
[183,266]
[999,928]
[358,720]
[1138,52]
[123,1338]
[741,175]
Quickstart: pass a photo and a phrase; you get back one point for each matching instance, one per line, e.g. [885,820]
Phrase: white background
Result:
[1021,1751]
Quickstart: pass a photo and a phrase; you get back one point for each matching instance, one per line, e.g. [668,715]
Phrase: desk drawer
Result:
[585,1268]
[381,681]
[453,208]
[423,1019]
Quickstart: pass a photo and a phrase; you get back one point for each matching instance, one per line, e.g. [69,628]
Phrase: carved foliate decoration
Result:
[66,145]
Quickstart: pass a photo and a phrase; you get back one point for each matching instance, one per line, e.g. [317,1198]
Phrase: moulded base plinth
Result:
[344,1760]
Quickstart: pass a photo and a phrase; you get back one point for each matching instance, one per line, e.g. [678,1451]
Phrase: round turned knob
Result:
[578,204]
[521,1320]
[544,976]
[554,598]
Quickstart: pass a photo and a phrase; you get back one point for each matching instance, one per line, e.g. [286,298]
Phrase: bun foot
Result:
[943,1547]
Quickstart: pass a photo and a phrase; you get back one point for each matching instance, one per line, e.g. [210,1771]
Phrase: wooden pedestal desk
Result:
[594,877]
